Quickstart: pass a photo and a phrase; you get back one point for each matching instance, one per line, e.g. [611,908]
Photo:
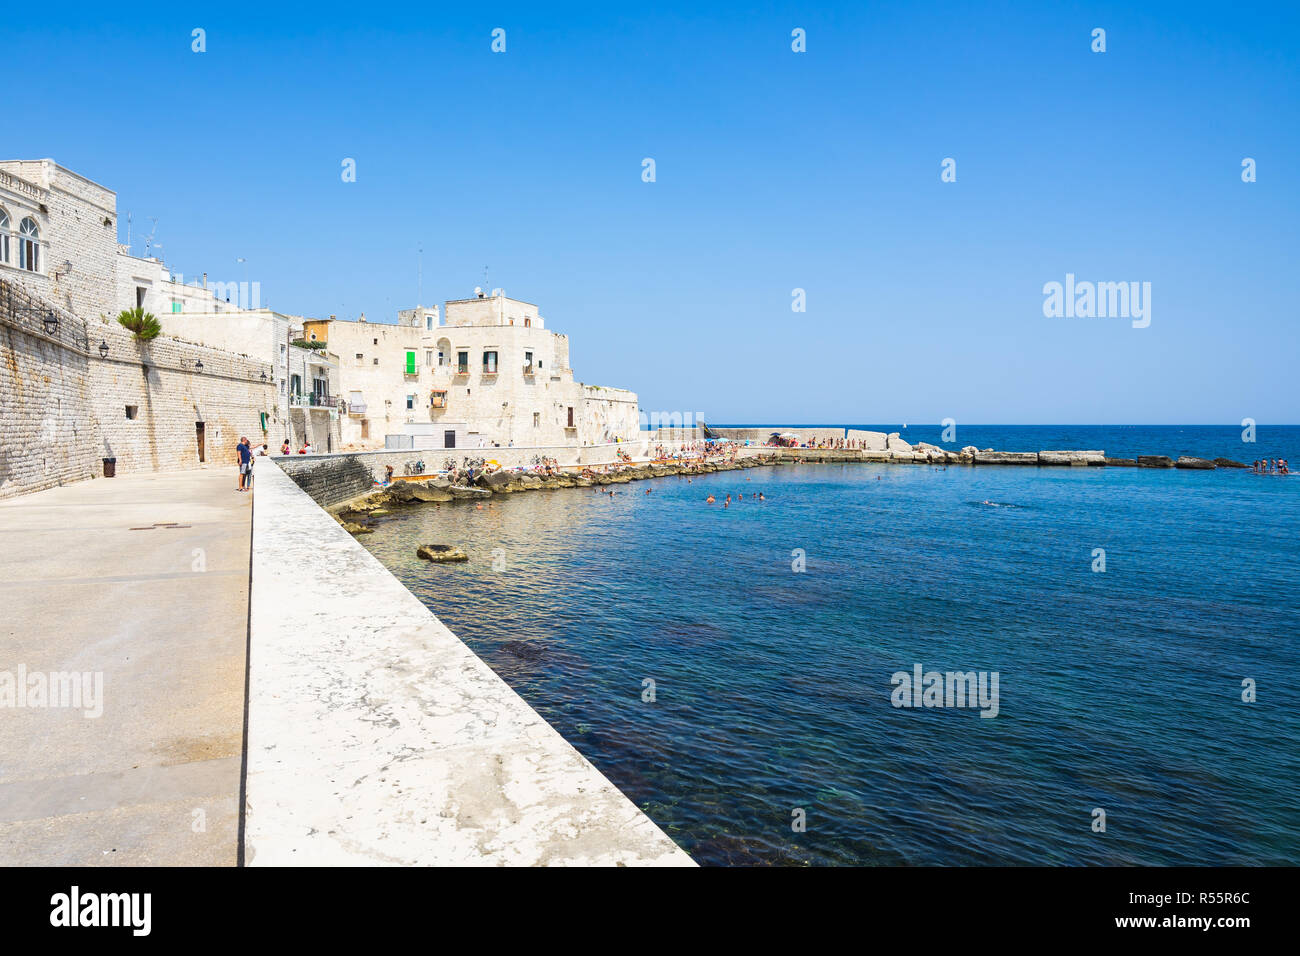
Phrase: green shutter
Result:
[410,363]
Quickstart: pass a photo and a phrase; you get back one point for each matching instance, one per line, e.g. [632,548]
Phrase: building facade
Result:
[489,375]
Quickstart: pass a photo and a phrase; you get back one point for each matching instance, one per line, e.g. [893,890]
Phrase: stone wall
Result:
[64,407]
[332,479]
[48,436]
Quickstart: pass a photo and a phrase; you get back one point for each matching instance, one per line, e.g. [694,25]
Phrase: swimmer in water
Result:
[709,500]
[760,496]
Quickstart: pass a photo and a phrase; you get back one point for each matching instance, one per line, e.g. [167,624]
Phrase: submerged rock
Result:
[1121,463]
[1155,461]
[440,552]
[1229,463]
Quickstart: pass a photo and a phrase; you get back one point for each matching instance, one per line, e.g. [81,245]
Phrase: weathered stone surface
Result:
[465,491]
[409,492]
[1121,463]
[868,441]
[970,450]
[1155,461]
[498,481]
[1006,457]
[1229,463]
[1200,464]
[894,443]
[1068,458]
[875,456]
[440,552]
[352,527]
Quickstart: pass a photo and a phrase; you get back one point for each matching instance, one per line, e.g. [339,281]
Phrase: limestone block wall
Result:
[48,435]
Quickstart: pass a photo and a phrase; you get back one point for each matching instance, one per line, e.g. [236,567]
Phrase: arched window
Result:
[4,237]
[528,323]
[29,246]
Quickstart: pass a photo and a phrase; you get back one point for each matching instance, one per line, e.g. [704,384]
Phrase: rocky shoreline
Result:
[355,515]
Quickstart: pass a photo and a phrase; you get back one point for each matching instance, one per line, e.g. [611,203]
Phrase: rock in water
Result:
[1187,461]
[1121,463]
[440,552]
[1229,463]
[1155,461]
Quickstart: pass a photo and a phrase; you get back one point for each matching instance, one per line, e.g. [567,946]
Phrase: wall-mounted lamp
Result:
[51,322]
[103,349]
[198,365]
[263,376]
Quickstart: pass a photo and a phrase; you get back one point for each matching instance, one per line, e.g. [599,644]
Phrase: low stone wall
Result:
[375,737]
[762,433]
[332,479]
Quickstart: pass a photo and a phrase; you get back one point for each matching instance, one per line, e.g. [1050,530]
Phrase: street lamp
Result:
[103,349]
[198,365]
[51,322]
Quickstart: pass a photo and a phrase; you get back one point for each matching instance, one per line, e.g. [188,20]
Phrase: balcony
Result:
[528,370]
[356,408]
[437,399]
[462,369]
[489,370]
[313,400]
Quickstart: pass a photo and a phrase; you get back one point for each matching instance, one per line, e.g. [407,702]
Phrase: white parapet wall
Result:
[375,736]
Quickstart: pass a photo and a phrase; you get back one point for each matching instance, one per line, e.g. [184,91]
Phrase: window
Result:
[361,359]
[570,425]
[410,362]
[132,411]
[537,419]
[29,246]
[428,322]
[528,358]
[176,306]
[489,362]
[539,363]
[375,362]
[140,292]
[410,401]
[4,237]
[462,362]
[428,358]
[376,341]
[528,323]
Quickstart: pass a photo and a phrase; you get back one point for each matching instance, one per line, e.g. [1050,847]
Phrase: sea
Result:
[737,671]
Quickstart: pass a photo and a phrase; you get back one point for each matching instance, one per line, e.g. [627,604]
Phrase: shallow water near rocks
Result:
[1118,690]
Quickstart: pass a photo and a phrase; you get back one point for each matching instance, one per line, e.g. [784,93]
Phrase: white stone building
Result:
[490,375]
[305,380]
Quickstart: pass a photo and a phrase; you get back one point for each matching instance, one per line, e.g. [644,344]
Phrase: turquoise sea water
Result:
[1119,690]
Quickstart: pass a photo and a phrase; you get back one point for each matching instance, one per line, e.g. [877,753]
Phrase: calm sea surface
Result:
[1118,690]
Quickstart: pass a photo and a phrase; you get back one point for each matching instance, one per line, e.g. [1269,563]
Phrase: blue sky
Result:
[775,171]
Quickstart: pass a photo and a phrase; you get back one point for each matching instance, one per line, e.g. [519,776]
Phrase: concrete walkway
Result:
[94,581]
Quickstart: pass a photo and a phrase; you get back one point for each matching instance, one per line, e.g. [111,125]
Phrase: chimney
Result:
[205,280]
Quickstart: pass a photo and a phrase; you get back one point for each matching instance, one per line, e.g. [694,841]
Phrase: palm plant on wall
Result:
[140,323]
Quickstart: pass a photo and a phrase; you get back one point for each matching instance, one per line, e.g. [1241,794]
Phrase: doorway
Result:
[198,434]
[449,439]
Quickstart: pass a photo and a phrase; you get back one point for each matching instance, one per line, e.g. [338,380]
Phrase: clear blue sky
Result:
[775,170]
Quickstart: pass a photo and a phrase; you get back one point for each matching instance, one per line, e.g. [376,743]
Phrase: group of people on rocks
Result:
[1271,466]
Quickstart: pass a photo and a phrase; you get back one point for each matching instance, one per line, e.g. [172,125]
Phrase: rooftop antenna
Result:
[485,278]
[419,271]
[149,241]
[128,232]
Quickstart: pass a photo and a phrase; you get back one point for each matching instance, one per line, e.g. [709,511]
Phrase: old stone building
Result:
[490,374]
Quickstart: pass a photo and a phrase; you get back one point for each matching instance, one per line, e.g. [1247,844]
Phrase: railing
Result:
[528,370]
[462,369]
[489,370]
[35,315]
[312,400]
[356,408]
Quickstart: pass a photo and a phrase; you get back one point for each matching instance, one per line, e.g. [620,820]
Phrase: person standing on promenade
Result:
[245,457]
